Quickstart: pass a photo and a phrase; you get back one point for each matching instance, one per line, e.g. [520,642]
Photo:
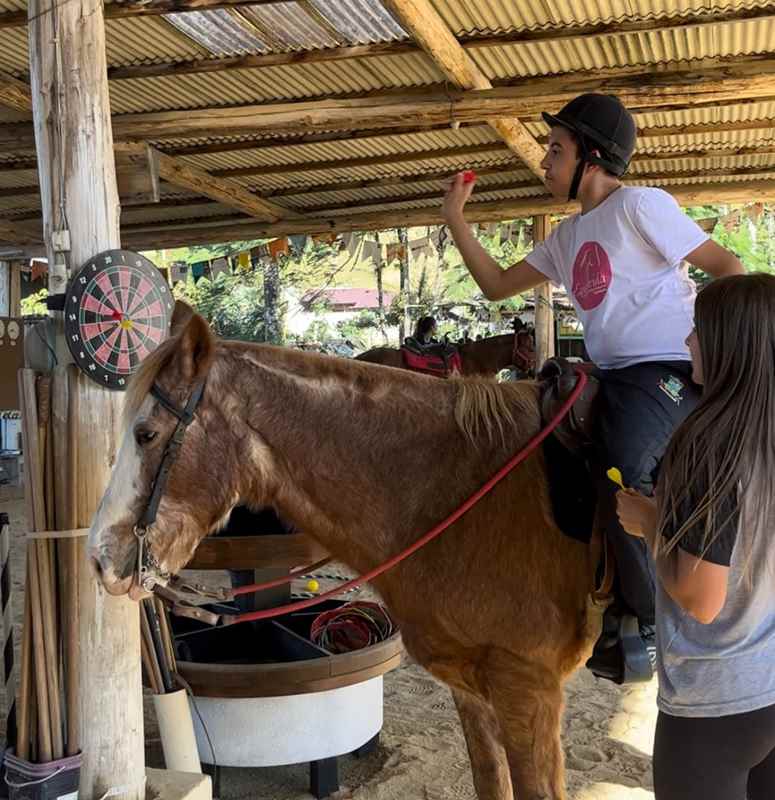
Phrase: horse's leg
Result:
[528,704]
[489,765]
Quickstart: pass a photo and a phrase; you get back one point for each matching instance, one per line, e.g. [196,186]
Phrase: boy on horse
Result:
[620,261]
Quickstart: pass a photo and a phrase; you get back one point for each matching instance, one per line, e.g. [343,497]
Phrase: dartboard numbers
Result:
[118,312]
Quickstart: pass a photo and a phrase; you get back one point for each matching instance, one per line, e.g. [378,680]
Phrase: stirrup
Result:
[620,654]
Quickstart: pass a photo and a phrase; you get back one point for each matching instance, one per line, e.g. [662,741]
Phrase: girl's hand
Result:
[637,513]
[457,195]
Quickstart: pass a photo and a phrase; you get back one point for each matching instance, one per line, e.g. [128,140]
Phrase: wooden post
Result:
[15,292]
[378,267]
[74,144]
[405,326]
[544,313]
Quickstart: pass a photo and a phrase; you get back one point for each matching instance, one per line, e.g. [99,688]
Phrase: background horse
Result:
[484,357]
[496,607]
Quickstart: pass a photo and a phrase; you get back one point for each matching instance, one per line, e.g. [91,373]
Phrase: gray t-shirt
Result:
[728,666]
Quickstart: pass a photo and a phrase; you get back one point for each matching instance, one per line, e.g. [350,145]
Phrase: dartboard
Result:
[117,311]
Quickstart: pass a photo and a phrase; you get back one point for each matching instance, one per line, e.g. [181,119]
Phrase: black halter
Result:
[149,571]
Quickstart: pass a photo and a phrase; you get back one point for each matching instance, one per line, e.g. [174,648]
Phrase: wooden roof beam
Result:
[497,149]
[427,27]
[689,84]
[717,192]
[15,93]
[223,191]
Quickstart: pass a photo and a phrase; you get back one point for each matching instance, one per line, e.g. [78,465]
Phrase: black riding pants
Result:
[715,758]
[640,408]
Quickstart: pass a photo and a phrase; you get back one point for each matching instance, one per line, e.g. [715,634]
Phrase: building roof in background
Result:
[347,299]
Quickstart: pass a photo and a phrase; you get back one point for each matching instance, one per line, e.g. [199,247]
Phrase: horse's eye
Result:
[144,436]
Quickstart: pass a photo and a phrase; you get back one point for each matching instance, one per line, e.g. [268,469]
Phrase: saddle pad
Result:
[571,489]
[432,364]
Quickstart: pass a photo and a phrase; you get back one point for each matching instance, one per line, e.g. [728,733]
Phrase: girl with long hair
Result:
[711,529]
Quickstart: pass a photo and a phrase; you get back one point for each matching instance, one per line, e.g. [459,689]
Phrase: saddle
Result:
[557,379]
[440,359]
[569,451]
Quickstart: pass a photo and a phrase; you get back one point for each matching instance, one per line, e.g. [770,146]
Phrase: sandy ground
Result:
[608,734]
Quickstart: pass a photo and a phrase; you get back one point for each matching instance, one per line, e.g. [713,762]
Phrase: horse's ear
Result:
[180,317]
[197,349]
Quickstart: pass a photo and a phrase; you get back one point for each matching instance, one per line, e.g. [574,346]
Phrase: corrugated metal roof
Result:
[345,149]
[162,213]
[496,16]
[277,83]
[361,21]
[292,27]
[625,49]
[404,180]
[220,32]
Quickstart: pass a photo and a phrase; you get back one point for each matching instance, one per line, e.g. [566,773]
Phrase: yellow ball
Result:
[313,585]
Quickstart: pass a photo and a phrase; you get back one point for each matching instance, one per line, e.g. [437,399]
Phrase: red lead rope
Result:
[530,447]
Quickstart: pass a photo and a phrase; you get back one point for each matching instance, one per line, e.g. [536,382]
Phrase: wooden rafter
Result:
[22,233]
[223,191]
[720,192]
[15,93]
[497,151]
[429,30]
[689,84]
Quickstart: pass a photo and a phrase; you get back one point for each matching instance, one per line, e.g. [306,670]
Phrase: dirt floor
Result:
[608,734]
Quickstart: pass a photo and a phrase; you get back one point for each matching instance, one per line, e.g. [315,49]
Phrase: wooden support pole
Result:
[405,324]
[544,309]
[68,551]
[76,166]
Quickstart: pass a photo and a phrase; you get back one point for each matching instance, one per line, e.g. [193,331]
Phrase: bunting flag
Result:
[178,271]
[39,269]
[298,242]
[324,238]
[351,243]
[371,251]
[243,260]
[755,211]
[395,252]
[218,266]
[279,247]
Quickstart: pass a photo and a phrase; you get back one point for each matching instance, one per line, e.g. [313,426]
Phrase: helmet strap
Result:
[579,173]
[576,182]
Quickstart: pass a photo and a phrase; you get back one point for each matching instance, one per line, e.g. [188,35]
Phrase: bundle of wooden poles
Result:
[48,711]
[157,649]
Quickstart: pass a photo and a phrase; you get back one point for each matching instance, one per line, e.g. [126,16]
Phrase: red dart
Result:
[469,176]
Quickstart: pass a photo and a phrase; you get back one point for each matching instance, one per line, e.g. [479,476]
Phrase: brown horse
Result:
[497,607]
[484,357]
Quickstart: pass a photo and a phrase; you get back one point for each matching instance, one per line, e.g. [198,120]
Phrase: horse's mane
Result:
[482,407]
[485,407]
[142,380]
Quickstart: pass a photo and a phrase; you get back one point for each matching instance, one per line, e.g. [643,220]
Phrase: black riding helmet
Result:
[602,123]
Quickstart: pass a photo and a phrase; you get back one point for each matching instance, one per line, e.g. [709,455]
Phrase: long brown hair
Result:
[723,456]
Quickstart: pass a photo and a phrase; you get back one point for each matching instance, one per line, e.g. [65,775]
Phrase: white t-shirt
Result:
[621,266]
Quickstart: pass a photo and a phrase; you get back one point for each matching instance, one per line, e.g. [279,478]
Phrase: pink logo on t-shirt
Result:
[591,275]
